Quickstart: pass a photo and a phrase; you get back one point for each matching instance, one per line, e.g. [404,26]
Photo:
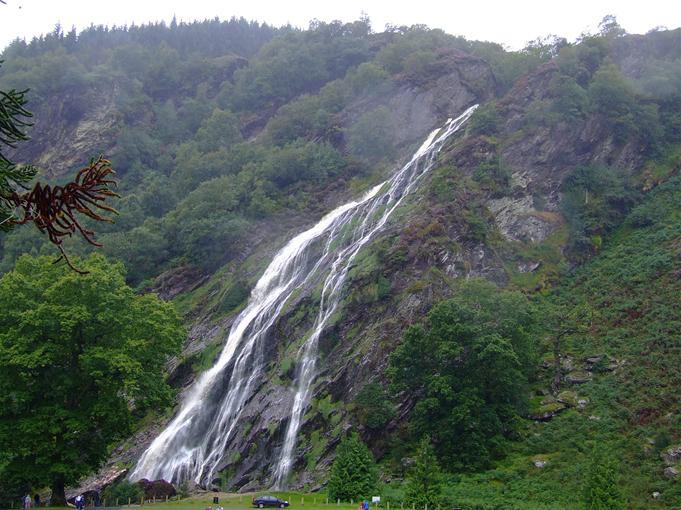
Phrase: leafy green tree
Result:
[373,408]
[221,129]
[354,473]
[424,480]
[82,356]
[470,387]
[597,199]
[602,491]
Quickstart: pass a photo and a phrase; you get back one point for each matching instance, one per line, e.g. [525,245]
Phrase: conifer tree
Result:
[602,491]
[424,481]
[354,473]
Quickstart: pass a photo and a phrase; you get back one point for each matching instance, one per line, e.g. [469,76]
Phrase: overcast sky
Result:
[510,22]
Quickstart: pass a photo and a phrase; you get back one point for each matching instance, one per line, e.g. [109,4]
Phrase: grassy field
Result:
[297,500]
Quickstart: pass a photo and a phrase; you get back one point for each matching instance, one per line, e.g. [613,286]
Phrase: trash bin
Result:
[215,499]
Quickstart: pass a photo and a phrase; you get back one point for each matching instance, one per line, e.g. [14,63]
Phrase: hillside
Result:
[229,138]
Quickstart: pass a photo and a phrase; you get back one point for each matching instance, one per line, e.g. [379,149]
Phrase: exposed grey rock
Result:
[528,267]
[517,219]
[540,463]
[671,472]
[671,455]
[567,363]
[593,360]
[656,495]
[98,482]
[578,377]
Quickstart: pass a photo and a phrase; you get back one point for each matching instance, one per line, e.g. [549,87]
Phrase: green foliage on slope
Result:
[82,357]
[469,389]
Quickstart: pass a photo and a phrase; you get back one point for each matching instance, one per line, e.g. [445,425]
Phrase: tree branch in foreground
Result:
[55,209]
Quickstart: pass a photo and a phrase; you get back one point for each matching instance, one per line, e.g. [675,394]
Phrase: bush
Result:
[122,492]
[485,121]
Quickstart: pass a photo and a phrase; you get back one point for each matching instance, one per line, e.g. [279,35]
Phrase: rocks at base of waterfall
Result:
[672,455]
[98,482]
[671,472]
[157,489]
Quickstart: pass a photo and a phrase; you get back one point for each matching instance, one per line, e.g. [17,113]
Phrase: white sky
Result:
[510,22]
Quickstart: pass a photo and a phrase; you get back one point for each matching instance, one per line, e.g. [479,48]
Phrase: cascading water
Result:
[192,445]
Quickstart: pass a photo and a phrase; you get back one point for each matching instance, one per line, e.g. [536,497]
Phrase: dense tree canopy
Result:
[81,356]
[470,387]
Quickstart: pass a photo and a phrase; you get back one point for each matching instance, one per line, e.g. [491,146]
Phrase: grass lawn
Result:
[297,500]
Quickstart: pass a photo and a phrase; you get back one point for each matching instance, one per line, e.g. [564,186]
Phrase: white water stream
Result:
[193,443]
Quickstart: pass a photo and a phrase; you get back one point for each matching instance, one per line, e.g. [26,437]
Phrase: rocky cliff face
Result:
[70,129]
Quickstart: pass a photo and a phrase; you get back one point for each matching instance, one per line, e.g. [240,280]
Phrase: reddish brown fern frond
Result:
[54,210]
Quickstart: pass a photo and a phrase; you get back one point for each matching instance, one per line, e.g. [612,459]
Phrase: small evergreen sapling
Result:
[424,481]
[354,473]
[602,491]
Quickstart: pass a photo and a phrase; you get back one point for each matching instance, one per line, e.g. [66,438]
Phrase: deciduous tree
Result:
[81,357]
[467,368]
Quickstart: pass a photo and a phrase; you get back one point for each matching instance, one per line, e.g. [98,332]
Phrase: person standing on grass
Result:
[27,502]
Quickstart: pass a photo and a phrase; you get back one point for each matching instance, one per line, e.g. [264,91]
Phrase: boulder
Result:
[671,455]
[158,489]
[593,360]
[567,364]
[539,463]
[578,377]
[547,408]
[671,472]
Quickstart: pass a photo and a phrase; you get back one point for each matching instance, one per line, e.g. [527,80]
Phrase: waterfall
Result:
[192,445]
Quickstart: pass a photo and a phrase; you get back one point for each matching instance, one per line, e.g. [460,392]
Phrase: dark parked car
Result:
[263,501]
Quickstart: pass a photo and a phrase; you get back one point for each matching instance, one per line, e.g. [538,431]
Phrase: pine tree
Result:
[602,491]
[424,481]
[354,473]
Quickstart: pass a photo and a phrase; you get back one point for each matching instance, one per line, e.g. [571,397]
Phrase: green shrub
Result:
[122,492]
